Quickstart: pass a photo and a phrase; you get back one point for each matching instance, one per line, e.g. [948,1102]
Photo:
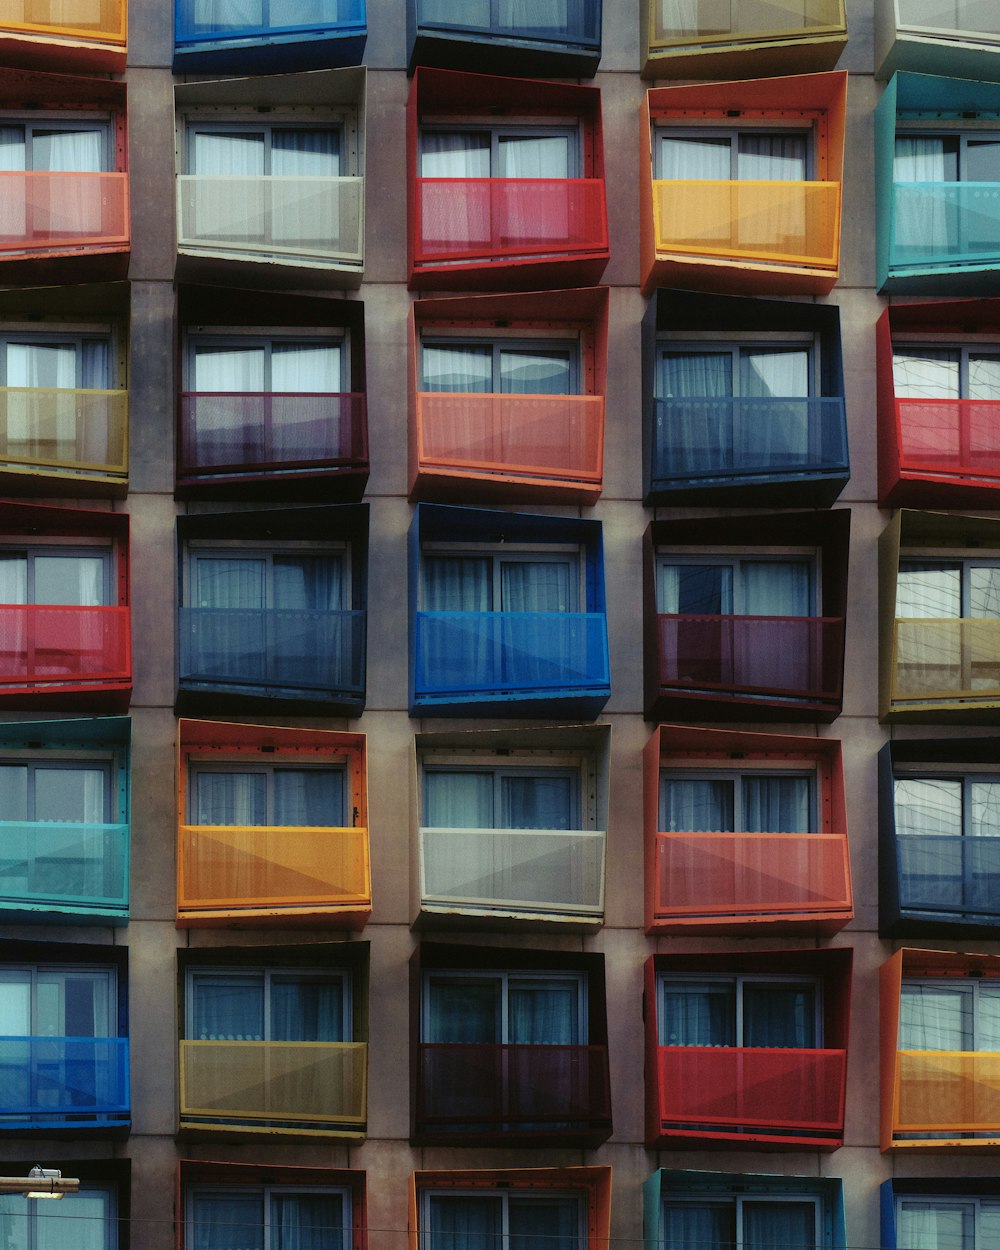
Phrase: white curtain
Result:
[455,13]
[73,151]
[305,367]
[226,1221]
[13,579]
[776,588]
[695,1015]
[69,579]
[691,1226]
[456,218]
[458,800]
[695,159]
[235,211]
[70,794]
[777,434]
[454,154]
[308,1222]
[929,1225]
[222,15]
[777,805]
[457,584]
[543,1012]
[534,214]
[778,1225]
[690,805]
[230,798]
[694,421]
[545,586]
[462,369]
[695,589]
[229,370]
[229,582]
[541,156]
[924,223]
[528,17]
[771,157]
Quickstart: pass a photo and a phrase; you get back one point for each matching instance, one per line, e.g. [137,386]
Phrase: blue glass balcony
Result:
[268,36]
[492,36]
[59,1083]
[706,444]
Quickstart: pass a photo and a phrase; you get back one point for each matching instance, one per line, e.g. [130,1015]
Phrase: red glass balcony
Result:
[513,1095]
[45,648]
[752,1093]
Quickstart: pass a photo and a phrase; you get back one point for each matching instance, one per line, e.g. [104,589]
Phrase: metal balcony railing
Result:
[748,21]
[945,223]
[940,1091]
[50,212]
[945,659]
[63,1082]
[42,644]
[950,874]
[72,430]
[64,863]
[86,19]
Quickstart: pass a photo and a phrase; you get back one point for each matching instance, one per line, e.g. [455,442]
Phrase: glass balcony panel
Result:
[945,223]
[962,18]
[530,435]
[309,1083]
[736,874]
[63,1081]
[948,1091]
[708,437]
[270,432]
[64,429]
[943,873]
[295,647]
[40,644]
[957,437]
[946,659]
[467,1086]
[272,867]
[482,219]
[99,19]
[718,1087]
[49,211]
[791,657]
[791,223]
[535,870]
[64,863]
[311,218]
[196,20]
[495,651]
[561,21]
[723,21]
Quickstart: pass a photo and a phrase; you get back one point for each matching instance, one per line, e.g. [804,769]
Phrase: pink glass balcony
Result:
[43,646]
[43,212]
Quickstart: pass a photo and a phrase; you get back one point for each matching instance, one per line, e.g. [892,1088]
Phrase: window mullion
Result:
[738,992]
[504,1220]
[504,1009]
[267,1005]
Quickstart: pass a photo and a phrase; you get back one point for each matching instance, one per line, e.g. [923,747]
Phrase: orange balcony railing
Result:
[535,436]
[750,874]
[946,660]
[947,1092]
[786,223]
[222,867]
[43,645]
[83,19]
[73,430]
[51,211]
[950,437]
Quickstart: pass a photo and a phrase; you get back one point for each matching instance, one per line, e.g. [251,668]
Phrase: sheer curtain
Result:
[227,1009]
[69,206]
[456,218]
[308,1222]
[309,215]
[774,434]
[692,806]
[47,425]
[694,1015]
[306,1009]
[924,223]
[535,214]
[779,1225]
[536,802]
[69,579]
[463,1009]
[458,800]
[309,797]
[542,1223]
[226,1221]
[455,13]
[534,17]
[779,1015]
[680,19]
[15,200]
[782,224]
[695,420]
[693,1226]
[305,367]
[230,203]
[230,798]
[457,584]
[226,15]
[13,579]
[463,1222]
[695,159]
[776,588]
[936,1226]
[542,586]
[695,589]
[777,805]
[543,1013]
[770,158]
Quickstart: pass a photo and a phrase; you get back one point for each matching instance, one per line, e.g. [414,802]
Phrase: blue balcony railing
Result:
[297,649]
[576,22]
[950,875]
[706,440]
[49,866]
[945,223]
[63,1082]
[466,653]
[197,21]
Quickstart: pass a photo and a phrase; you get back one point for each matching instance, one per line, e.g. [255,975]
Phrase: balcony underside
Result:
[747,56]
[270,52]
[965,53]
[500,52]
[21,49]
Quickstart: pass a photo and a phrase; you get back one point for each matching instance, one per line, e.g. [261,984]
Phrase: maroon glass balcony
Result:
[513,1095]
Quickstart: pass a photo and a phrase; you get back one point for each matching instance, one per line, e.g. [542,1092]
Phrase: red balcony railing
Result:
[953,437]
[253,432]
[795,1091]
[48,211]
[495,1089]
[789,657]
[750,874]
[41,645]
[482,219]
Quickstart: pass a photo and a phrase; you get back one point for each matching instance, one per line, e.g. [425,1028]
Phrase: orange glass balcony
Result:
[292,1088]
[296,873]
[787,223]
[70,436]
[947,1092]
[75,35]
[43,212]
[551,445]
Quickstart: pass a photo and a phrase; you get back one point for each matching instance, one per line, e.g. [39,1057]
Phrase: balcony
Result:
[46,648]
[287,875]
[538,873]
[944,662]
[55,1084]
[786,223]
[270,442]
[321,35]
[62,868]
[284,1088]
[949,875]
[72,35]
[791,665]
[750,37]
[463,657]
[943,224]
[959,38]
[484,37]
[948,1093]
[702,446]
[759,877]
[953,441]
[298,220]
[512,1095]
[51,213]
[549,447]
[77,439]
[751,1094]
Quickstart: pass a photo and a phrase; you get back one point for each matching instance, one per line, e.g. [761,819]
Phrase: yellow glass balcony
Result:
[786,223]
[742,21]
[274,1087]
[944,661]
[66,19]
[63,433]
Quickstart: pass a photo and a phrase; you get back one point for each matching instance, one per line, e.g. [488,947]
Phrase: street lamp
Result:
[40,1183]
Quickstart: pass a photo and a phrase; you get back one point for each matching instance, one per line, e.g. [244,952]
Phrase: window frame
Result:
[966,776]
[966,347]
[266,971]
[695,343]
[266,1192]
[198,764]
[503,976]
[195,549]
[715,128]
[580,811]
[109,972]
[267,128]
[942,560]
[736,1202]
[76,338]
[194,337]
[64,544]
[714,557]
[499,342]
[737,981]
[87,1188]
[227,118]
[945,129]
[976,1201]
[571,554]
[509,128]
[736,773]
[970,985]
[78,120]
[46,759]
[503,1193]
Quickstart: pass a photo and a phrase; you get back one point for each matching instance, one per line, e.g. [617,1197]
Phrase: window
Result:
[943,806]
[742,1011]
[501,367]
[951,1222]
[527,1009]
[710,801]
[718,370]
[253,364]
[500,581]
[953,1015]
[521,151]
[962,371]
[265,151]
[272,1217]
[48,1001]
[55,361]
[736,586]
[66,575]
[733,155]
[968,157]
[540,20]
[268,1005]
[86,1220]
[235,794]
[501,1220]
[744,1221]
[249,581]
[501,798]
[948,589]
[55,145]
